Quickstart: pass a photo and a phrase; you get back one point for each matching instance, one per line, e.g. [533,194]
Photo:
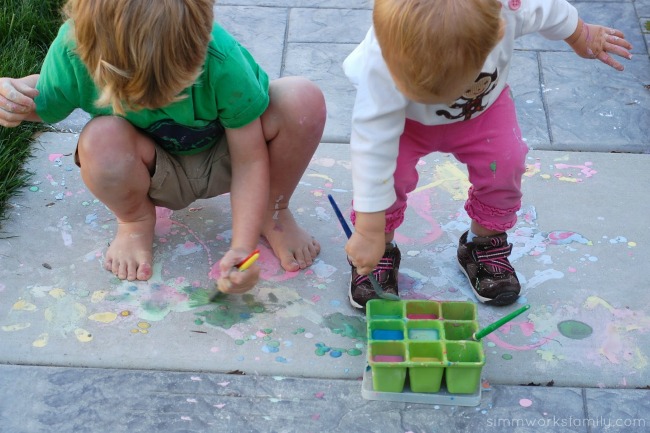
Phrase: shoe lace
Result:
[384,266]
[495,260]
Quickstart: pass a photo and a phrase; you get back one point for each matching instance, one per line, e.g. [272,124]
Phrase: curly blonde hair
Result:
[429,43]
[141,53]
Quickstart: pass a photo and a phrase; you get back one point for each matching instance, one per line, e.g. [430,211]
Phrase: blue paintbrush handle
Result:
[346,228]
[339,215]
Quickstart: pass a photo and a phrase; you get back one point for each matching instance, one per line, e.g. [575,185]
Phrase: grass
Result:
[27,27]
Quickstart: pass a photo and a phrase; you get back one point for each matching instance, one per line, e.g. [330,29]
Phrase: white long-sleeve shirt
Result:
[380,110]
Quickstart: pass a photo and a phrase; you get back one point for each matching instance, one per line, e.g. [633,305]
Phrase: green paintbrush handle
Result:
[499,323]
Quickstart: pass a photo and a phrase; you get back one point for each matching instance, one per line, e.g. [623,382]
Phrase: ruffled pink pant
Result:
[493,150]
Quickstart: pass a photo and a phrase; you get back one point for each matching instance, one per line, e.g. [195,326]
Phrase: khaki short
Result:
[179,180]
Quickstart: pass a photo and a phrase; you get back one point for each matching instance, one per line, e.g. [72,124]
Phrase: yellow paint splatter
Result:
[640,360]
[106,317]
[549,356]
[450,178]
[83,335]
[16,327]
[545,176]
[594,301]
[135,331]
[98,296]
[322,176]
[57,293]
[631,244]
[125,313]
[568,179]
[23,305]
[532,170]
[41,341]
[80,308]
[144,325]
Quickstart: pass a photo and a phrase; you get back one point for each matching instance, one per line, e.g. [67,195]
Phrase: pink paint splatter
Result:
[269,265]
[502,344]
[524,402]
[54,156]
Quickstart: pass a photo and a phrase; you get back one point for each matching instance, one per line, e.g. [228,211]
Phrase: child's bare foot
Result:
[295,248]
[130,255]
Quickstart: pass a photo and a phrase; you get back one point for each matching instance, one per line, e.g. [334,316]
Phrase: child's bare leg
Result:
[293,126]
[116,166]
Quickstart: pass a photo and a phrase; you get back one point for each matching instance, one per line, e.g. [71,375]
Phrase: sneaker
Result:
[361,290]
[485,263]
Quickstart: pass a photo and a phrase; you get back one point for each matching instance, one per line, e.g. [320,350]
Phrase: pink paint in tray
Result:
[388,358]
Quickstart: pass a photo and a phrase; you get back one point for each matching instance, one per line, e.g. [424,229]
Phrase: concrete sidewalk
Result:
[83,351]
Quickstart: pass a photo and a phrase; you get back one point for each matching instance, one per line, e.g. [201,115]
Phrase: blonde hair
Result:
[427,43]
[141,53]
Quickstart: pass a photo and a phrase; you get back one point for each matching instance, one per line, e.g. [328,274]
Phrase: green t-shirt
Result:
[231,92]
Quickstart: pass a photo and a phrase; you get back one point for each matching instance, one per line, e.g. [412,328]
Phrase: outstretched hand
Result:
[16,101]
[592,41]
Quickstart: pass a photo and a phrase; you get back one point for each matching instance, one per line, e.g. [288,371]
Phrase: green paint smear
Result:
[506,356]
[347,326]
[226,313]
[354,352]
[574,329]
[197,296]
[222,317]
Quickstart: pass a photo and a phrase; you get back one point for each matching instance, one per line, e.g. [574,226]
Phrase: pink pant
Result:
[493,150]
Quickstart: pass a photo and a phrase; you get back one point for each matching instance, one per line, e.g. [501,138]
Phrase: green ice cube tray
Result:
[424,341]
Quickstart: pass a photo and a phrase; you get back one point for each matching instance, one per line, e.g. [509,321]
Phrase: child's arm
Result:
[17,100]
[249,198]
[596,42]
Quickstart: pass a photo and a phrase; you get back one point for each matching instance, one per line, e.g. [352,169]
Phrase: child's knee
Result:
[301,101]
[104,130]
[106,140]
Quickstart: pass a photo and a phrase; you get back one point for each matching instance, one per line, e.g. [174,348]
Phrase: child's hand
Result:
[16,101]
[597,42]
[232,280]
[365,250]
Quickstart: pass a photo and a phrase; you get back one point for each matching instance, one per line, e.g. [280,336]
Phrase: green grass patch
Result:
[27,27]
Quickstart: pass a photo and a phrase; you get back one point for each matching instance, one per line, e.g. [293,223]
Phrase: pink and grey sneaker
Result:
[484,261]
[361,290]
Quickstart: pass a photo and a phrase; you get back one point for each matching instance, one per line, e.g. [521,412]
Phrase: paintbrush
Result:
[241,267]
[499,323]
[373,281]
